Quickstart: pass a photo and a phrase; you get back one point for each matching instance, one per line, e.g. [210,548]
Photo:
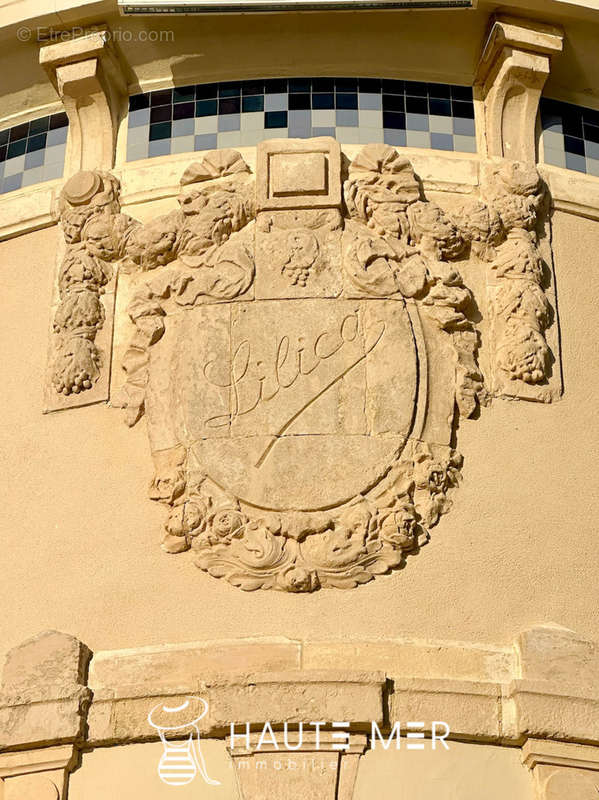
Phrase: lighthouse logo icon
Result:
[182,759]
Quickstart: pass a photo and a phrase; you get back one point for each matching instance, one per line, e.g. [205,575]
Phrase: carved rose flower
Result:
[187,519]
[399,528]
[227,522]
[298,579]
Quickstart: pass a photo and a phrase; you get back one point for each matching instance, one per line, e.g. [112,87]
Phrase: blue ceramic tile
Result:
[284,106]
[205,141]
[441,141]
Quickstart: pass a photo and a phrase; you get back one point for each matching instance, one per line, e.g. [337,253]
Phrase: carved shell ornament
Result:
[303,346]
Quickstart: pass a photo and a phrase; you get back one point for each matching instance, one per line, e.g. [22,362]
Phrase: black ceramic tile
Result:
[183,94]
[370,85]
[230,89]
[416,89]
[139,101]
[573,144]
[36,142]
[441,108]
[58,121]
[206,108]
[161,98]
[183,110]
[275,119]
[394,102]
[299,102]
[19,132]
[253,103]
[17,148]
[346,84]
[161,130]
[206,91]
[323,101]
[323,84]
[462,109]
[275,86]
[394,120]
[299,85]
[416,105]
[161,114]
[346,100]
[39,125]
[229,105]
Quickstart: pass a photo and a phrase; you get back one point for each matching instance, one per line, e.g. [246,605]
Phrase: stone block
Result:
[470,709]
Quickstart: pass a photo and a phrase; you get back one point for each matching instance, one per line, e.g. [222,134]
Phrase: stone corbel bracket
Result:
[88,77]
[561,769]
[512,71]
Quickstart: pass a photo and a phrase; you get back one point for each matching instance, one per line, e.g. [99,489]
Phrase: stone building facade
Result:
[322,277]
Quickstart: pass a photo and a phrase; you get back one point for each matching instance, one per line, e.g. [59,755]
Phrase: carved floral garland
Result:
[95,234]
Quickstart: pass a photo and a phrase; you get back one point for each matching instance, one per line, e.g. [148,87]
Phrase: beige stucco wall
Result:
[81,540]
[461,773]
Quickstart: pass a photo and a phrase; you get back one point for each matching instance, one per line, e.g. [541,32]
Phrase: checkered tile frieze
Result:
[570,136]
[353,110]
[32,152]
